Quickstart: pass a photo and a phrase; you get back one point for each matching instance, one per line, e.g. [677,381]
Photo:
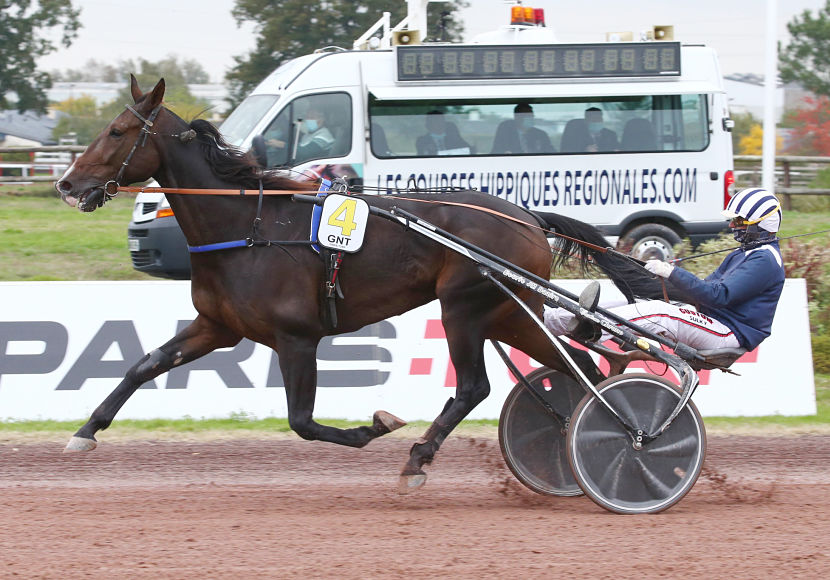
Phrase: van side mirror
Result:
[259,151]
[728,124]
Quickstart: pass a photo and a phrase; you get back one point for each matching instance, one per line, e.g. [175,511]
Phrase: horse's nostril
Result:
[63,186]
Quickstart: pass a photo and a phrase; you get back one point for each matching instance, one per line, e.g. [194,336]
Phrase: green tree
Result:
[176,74]
[81,118]
[806,59]
[86,119]
[286,29]
[190,70]
[23,39]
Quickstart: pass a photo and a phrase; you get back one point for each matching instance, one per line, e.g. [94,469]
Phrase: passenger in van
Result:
[639,135]
[602,139]
[732,308]
[380,146]
[519,135]
[442,137]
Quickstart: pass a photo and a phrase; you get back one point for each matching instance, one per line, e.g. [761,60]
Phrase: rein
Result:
[696,256]
[261,192]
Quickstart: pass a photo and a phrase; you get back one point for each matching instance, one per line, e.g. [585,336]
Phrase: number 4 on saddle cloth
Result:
[337,226]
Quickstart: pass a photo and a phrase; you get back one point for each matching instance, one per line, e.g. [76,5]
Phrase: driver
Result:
[734,306]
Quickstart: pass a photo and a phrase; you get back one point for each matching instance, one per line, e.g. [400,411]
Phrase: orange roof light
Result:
[517,15]
[529,18]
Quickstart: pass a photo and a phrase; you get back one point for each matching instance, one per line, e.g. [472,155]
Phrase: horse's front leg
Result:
[199,338]
[298,362]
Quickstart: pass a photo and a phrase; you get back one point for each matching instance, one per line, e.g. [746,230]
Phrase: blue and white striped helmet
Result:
[756,206]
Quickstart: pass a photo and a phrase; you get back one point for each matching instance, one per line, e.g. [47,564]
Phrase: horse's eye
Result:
[115,133]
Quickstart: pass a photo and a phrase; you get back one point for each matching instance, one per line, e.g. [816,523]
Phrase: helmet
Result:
[755,215]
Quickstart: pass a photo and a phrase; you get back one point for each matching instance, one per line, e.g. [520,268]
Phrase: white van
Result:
[632,137]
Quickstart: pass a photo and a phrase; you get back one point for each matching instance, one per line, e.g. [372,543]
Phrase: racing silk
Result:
[742,293]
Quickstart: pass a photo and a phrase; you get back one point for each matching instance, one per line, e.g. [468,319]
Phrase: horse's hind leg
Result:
[200,337]
[298,362]
[466,346]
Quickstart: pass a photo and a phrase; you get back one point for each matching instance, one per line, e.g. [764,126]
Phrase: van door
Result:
[314,132]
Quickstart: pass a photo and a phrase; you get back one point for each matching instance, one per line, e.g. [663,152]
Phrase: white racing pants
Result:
[674,321]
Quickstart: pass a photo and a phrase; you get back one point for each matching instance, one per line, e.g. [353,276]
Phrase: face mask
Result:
[594,127]
[437,135]
[310,125]
[523,124]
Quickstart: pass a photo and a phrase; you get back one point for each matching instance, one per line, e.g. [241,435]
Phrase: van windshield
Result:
[241,122]
[582,125]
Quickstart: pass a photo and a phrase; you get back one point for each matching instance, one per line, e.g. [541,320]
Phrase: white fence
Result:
[47,163]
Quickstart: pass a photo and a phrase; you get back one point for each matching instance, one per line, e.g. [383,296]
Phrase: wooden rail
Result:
[793,174]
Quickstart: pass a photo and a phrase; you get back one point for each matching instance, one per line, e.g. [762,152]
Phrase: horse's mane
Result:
[231,164]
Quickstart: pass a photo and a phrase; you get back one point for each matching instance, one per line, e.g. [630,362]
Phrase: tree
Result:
[806,59]
[191,71]
[743,125]
[86,119]
[753,142]
[811,130]
[23,28]
[286,29]
[177,76]
[81,118]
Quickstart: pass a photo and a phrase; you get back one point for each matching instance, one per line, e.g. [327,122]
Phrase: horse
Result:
[272,295]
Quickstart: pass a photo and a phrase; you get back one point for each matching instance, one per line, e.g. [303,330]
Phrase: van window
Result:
[310,127]
[605,125]
[243,119]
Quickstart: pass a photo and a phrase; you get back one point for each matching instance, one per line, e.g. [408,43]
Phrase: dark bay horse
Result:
[272,295]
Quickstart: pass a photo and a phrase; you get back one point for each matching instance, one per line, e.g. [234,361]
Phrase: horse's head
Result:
[121,154]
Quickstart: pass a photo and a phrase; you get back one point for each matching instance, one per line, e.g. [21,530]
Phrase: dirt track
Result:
[282,508]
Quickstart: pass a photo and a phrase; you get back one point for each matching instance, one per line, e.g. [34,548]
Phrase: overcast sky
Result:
[205,31]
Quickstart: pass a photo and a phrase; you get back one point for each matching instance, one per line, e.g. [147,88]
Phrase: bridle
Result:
[112,186]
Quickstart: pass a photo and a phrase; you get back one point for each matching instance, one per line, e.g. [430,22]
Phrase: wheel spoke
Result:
[610,479]
[532,436]
[653,484]
[681,448]
[623,407]
[559,463]
[664,404]
[590,439]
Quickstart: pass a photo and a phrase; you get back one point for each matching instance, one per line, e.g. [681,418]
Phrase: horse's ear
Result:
[134,88]
[156,95]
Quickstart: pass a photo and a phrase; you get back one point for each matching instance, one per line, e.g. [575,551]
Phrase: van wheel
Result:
[649,242]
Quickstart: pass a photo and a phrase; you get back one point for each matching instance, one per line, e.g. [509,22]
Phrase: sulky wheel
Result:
[605,459]
[532,440]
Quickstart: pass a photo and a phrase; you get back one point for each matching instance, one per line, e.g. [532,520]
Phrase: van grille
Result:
[149,207]
[133,233]
[142,258]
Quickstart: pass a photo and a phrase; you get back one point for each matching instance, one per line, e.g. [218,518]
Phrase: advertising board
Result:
[64,346]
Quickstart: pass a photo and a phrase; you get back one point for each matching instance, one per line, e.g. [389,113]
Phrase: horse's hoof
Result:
[409,483]
[77,444]
[388,420]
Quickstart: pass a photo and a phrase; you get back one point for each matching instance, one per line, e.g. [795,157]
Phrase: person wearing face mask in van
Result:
[601,139]
[441,138]
[520,136]
[315,138]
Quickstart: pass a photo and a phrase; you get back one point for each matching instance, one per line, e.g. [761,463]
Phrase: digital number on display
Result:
[419,63]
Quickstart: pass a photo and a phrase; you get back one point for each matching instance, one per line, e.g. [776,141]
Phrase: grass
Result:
[41,238]
[240,425]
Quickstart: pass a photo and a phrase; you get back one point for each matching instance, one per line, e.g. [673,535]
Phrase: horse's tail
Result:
[631,279]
